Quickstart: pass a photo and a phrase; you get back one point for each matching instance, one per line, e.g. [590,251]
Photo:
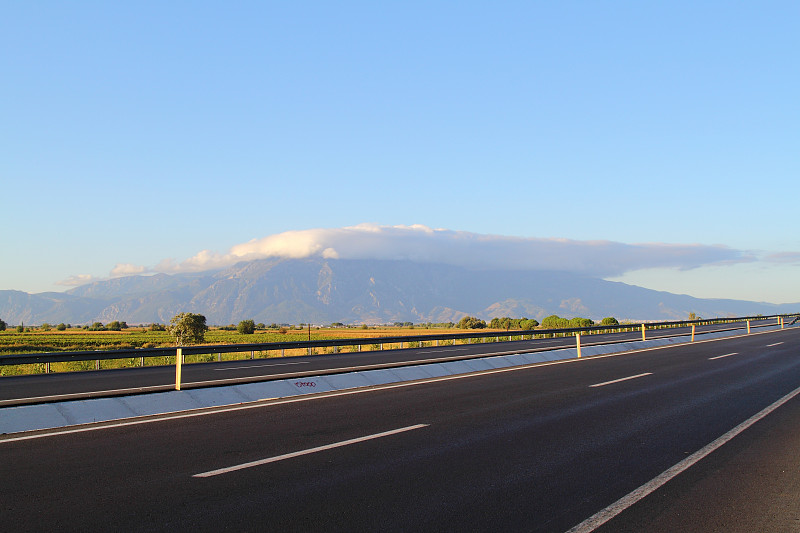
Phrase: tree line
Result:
[550,322]
[191,327]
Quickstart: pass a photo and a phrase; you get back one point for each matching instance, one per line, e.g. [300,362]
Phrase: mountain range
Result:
[323,291]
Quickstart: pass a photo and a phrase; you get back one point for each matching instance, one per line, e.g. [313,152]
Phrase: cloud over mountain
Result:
[472,250]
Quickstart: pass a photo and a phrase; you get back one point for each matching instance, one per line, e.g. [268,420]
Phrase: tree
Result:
[555,322]
[609,321]
[2,326]
[61,327]
[246,327]
[187,328]
[114,326]
[579,322]
[471,322]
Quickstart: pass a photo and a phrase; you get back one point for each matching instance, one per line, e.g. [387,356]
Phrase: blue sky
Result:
[136,133]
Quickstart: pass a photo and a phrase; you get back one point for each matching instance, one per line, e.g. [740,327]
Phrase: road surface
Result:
[523,449]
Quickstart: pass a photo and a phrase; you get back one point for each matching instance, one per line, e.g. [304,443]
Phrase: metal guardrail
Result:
[96,355]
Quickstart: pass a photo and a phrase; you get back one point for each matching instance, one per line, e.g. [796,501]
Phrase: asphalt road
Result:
[19,390]
[526,449]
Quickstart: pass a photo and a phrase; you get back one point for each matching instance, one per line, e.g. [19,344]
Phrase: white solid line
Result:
[600,518]
[621,379]
[721,356]
[774,344]
[445,350]
[261,366]
[308,451]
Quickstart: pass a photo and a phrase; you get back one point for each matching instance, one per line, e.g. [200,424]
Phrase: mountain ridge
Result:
[322,291]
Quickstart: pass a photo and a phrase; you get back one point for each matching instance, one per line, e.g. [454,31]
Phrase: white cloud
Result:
[127,269]
[78,279]
[472,250]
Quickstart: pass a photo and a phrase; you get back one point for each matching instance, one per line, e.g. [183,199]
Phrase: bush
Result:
[61,327]
[609,321]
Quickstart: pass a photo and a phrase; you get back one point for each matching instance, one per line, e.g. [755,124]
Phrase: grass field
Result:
[77,339]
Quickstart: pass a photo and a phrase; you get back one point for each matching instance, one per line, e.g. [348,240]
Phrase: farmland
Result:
[77,339]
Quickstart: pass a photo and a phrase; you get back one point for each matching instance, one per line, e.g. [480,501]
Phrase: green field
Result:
[77,339]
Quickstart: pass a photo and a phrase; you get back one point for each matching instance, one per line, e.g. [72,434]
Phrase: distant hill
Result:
[322,291]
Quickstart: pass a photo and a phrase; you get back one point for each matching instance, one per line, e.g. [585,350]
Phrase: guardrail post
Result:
[643,334]
[178,364]
[748,327]
[141,360]
[693,326]
[781,322]
[97,364]
[578,343]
